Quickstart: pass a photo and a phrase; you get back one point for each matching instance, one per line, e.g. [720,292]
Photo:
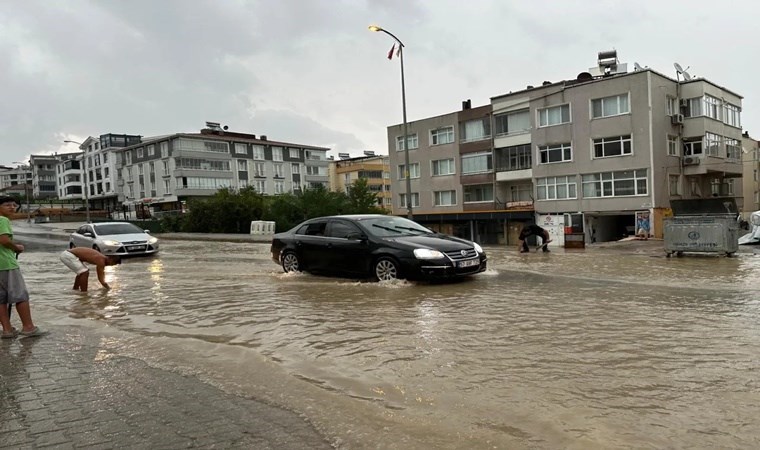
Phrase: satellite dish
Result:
[686,75]
[636,66]
[678,67]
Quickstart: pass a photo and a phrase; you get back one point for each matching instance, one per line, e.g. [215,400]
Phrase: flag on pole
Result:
[390,53]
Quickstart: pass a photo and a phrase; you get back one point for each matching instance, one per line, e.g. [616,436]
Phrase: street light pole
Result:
[26,193]
[409,212]
[86,184]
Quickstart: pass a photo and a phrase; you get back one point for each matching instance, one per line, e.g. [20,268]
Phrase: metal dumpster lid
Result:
[704,206]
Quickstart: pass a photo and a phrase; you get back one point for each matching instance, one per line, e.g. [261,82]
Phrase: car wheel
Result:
[386,269]
[290,262]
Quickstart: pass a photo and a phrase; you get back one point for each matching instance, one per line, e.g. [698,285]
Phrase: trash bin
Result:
[702,225]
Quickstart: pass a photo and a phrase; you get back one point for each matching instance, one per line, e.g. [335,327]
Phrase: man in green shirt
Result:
[12,287]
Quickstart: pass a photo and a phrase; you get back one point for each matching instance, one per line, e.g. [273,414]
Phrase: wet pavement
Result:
[614,346]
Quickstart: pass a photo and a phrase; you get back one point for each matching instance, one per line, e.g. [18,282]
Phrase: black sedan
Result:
[378,246]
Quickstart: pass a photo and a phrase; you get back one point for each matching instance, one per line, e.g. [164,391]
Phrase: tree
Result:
[361,200]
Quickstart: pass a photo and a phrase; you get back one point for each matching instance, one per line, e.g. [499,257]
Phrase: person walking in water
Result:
[12,286]
[74,259]
[533,230]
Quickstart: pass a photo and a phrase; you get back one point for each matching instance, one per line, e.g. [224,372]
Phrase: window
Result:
[517,157]
[293,153]
[610,106]
[203,183]
[241,149]
[414,171]
[556,188]
[713,143]
[691,148]
[410,139]
[105,158]
[242,165]
[277,173]
[443,167]
[694,107]
[523,192]
[276,153]
[478,193]
[615,184]
[340,229]
[731,115]
[733,149]
[512,122]
[167,187]
[415,200]
[696,189]
[260,186]
[444,198]
[713,107]
[279,187]
[140,152]
[295,168]
[475,130]
[442,136]
[554,116]
[200,164]
[258,152]
[164,149]
[477,163]
[200,146]
[672,106]
[612,146]
[151,150]
[674,184]
[166,167]
[555,153]
[672,145]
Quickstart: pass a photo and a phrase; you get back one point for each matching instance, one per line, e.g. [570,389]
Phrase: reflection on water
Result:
[583,349]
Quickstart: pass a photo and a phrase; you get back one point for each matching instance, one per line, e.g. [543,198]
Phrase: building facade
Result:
[751,176]
[163,173]
[373,168]
[584,156]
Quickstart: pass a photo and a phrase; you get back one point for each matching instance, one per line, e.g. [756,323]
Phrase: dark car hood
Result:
[440,242]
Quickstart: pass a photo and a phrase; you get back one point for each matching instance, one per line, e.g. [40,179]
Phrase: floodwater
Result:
[599,348]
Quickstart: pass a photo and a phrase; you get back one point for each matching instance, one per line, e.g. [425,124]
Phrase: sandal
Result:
[10,335]
[35,332]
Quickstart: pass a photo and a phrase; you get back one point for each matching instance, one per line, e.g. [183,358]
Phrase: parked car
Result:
[114,238]
[376,246]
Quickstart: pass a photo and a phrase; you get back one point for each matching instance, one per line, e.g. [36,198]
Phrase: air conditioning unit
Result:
[691,160]
[676,119]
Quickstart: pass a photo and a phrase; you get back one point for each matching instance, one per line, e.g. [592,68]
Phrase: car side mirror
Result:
[356,236]
[147,231]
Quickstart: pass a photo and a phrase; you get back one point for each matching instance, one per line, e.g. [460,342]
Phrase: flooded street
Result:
[603,348]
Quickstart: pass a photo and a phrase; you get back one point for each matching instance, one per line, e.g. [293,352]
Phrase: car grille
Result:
[457,255]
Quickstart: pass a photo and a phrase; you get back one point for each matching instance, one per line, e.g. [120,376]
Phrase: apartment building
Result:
[16,179]
[163,173]
[585,155]
[91,176]
[751,175]
[375,169]
[44,179]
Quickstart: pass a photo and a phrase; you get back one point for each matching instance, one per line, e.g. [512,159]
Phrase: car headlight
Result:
[152,240]
[111,242]
[478,248]
[426,253]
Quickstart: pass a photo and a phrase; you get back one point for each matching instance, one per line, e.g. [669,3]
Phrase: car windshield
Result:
[393,226]
[116,228]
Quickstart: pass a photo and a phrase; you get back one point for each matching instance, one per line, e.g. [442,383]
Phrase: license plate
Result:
[473,262]
[135,247]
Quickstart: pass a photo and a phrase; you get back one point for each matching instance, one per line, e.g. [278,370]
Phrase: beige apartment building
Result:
[344,171]
[751,176]
[585,157]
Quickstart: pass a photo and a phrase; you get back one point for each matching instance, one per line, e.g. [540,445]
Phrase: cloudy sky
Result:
[310,72]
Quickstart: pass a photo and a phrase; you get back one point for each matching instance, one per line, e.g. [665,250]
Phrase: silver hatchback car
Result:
[114,238]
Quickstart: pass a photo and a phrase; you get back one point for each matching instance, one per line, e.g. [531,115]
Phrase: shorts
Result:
[72,262]
[12,287]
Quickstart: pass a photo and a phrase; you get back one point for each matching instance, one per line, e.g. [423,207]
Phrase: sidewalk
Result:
[67,390]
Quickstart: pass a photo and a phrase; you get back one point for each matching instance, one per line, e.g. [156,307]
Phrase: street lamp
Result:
[26,192]
[409,213]
[86,184]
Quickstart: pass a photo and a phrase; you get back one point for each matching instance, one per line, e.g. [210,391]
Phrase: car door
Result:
[310,243]
[348,249]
